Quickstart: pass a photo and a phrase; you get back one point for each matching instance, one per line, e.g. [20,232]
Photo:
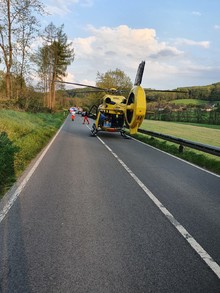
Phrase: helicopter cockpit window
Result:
[109,101]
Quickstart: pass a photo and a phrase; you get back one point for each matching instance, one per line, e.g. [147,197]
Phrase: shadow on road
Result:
[14,269]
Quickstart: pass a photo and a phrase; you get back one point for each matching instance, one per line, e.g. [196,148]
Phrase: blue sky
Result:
[178,39]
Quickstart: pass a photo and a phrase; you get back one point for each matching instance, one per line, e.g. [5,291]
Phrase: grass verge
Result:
[22,137]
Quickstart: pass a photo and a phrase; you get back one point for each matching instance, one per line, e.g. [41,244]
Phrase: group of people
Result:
[84,114]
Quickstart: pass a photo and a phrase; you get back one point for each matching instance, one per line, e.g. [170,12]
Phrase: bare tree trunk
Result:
[53,95]
[11,25]
[9,59]
[53,82]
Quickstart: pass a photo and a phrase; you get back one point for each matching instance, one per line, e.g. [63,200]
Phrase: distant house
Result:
[207,108]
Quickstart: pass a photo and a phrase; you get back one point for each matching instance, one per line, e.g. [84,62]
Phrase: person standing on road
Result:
[86,119]
[73,115]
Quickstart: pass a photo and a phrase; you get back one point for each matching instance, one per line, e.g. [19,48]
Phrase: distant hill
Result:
[209,93]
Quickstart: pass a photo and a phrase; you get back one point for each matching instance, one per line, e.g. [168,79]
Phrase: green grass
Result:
[201,133]
[195,102]
[22,137]
[200,125]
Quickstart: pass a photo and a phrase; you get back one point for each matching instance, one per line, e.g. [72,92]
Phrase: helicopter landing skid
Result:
[94,130]
[123,134]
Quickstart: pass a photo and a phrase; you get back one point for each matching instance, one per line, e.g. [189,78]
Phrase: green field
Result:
[195,102]
[205,134]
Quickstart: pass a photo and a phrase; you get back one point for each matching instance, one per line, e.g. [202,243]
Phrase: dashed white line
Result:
[193,243]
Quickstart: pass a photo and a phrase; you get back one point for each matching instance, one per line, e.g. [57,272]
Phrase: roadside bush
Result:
[7,158]
[22,137]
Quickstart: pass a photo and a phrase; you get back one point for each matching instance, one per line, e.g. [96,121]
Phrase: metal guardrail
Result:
[182,142]
[213,150]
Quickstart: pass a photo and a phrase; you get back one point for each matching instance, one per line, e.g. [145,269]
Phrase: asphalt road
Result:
[85,222]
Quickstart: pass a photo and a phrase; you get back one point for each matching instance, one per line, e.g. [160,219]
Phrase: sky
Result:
[179,40]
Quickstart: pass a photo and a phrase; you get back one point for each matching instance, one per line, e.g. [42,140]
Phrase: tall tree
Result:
[17,24]
[53,59]
[41,59]
[113,79]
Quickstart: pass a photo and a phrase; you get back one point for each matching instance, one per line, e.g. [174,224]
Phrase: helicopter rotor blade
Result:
[76,91]
[96,89]
[81,84]
[140,72]
[166,91]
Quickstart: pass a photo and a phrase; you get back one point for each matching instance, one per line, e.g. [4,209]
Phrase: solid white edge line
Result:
[17,192]
[193,243]
[200,168]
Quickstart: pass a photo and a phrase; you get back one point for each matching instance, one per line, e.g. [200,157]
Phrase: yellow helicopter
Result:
[116,111]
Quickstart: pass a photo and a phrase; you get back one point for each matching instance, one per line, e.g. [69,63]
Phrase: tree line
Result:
[209,92]
[19,29]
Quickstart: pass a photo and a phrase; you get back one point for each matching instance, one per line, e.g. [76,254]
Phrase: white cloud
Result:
[61,8]
[119,47]
[84,47]
[197,13]
[55,10]
[86,3]
[217,27]
[71,78]
[204,44]
[168,52]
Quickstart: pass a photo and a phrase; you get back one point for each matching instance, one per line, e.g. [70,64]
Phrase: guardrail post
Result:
[181,149]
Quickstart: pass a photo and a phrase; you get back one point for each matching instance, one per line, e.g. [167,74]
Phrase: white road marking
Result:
[193,243]
[177,158]
[17,192]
